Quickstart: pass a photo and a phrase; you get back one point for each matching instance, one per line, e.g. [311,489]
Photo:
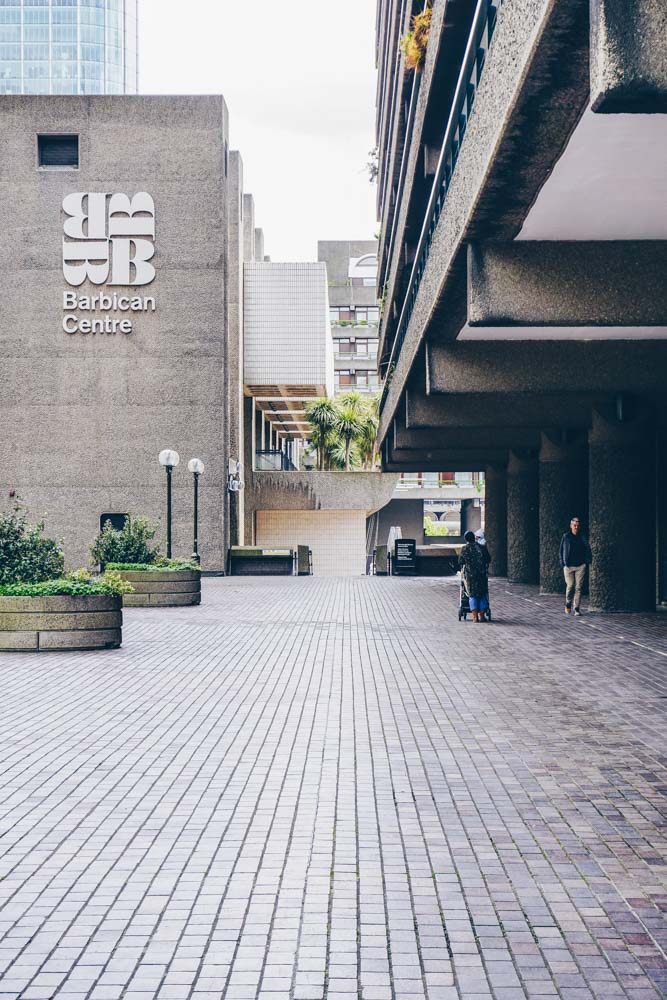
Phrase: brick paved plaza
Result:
[315,788]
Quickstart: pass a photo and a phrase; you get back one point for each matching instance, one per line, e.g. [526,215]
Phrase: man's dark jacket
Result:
[566,547]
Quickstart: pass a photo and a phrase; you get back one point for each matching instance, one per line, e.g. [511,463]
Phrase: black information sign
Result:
[405,555]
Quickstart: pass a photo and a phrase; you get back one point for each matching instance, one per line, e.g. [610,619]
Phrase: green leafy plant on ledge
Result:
[161,564]
[79,583]
[413,45]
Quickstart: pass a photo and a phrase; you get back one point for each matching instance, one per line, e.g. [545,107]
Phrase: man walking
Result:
[575,556]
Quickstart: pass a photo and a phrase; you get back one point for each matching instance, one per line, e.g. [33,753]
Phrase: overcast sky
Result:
[299,80]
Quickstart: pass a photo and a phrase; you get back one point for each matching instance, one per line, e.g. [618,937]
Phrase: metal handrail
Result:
[407,143]
[464,97]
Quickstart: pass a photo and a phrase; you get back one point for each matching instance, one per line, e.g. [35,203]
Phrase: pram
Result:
[464,603]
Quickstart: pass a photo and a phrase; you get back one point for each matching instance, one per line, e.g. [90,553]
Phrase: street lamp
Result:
[196,467]
[170,460]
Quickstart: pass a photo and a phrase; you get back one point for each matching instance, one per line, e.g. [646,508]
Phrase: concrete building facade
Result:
[354,312]
[69,47]
[117,319]
[524,242]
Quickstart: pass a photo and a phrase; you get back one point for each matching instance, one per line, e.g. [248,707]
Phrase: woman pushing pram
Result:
[474,562]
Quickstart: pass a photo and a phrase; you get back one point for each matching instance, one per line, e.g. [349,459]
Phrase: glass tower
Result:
[68,47]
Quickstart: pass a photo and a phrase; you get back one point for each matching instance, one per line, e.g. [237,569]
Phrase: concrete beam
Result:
[469,410]
[629,56]
[444,459]
[601,283]
[550,367]
[464,437]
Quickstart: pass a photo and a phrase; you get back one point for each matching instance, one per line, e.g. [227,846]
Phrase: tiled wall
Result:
[286,325]
[337,537]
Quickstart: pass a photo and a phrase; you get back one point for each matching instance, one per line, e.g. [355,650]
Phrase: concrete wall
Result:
[337,538]
[85,416]
[409,514]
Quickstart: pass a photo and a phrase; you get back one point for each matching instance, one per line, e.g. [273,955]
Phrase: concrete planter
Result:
[162,588]
[89,621]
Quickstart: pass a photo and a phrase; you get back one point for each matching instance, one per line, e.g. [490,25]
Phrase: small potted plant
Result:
[42,607]
[156,582]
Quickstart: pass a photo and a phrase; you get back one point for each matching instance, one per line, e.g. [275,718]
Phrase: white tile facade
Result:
[286,325]
[337,538]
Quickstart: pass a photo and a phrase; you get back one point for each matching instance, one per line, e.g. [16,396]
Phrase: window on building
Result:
[361,347]
[346,315]
[373,346]
[373,315]
[345,378]
[345,346]
[117,521]
[58,151]
[334,315]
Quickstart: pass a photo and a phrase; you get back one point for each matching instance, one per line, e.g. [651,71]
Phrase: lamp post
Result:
[196,467]
[170,460]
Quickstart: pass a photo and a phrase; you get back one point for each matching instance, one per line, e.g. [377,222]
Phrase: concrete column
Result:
[621,448]
[495,517]
[563,486]
[661,453]
[471,516]
[523,543]
[628,56]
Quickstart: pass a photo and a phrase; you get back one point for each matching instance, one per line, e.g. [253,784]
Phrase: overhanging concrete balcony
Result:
[365,491]
[525,158]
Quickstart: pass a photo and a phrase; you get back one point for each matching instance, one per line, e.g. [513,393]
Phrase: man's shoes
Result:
[577,613]
[568,609]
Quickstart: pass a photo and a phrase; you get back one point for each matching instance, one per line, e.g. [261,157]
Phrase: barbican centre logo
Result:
[109,240]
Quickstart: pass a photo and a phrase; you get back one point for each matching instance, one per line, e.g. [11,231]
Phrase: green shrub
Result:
[25,555]
[129,545]
[435,528]
[159,564]
[75,584]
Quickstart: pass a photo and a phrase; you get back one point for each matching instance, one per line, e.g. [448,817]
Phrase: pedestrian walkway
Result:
[313,788]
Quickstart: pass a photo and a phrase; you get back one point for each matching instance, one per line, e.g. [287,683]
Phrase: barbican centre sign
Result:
[108,240]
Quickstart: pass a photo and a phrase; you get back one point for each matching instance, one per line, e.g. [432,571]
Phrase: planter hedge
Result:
[34,624]
[162,588]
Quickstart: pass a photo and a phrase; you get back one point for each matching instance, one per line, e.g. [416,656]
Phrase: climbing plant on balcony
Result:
[413,45]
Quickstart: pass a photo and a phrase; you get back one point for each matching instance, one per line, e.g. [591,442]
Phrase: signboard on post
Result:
[405,556]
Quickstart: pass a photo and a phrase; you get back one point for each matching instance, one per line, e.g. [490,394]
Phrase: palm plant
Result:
[322,416]
[349,425]
[368,437]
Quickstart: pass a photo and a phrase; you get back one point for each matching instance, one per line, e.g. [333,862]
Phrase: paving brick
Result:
[318,788]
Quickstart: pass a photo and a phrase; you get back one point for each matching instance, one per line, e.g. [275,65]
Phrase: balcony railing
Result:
[273,461]
[416,481]
[360,356]
[472,67]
